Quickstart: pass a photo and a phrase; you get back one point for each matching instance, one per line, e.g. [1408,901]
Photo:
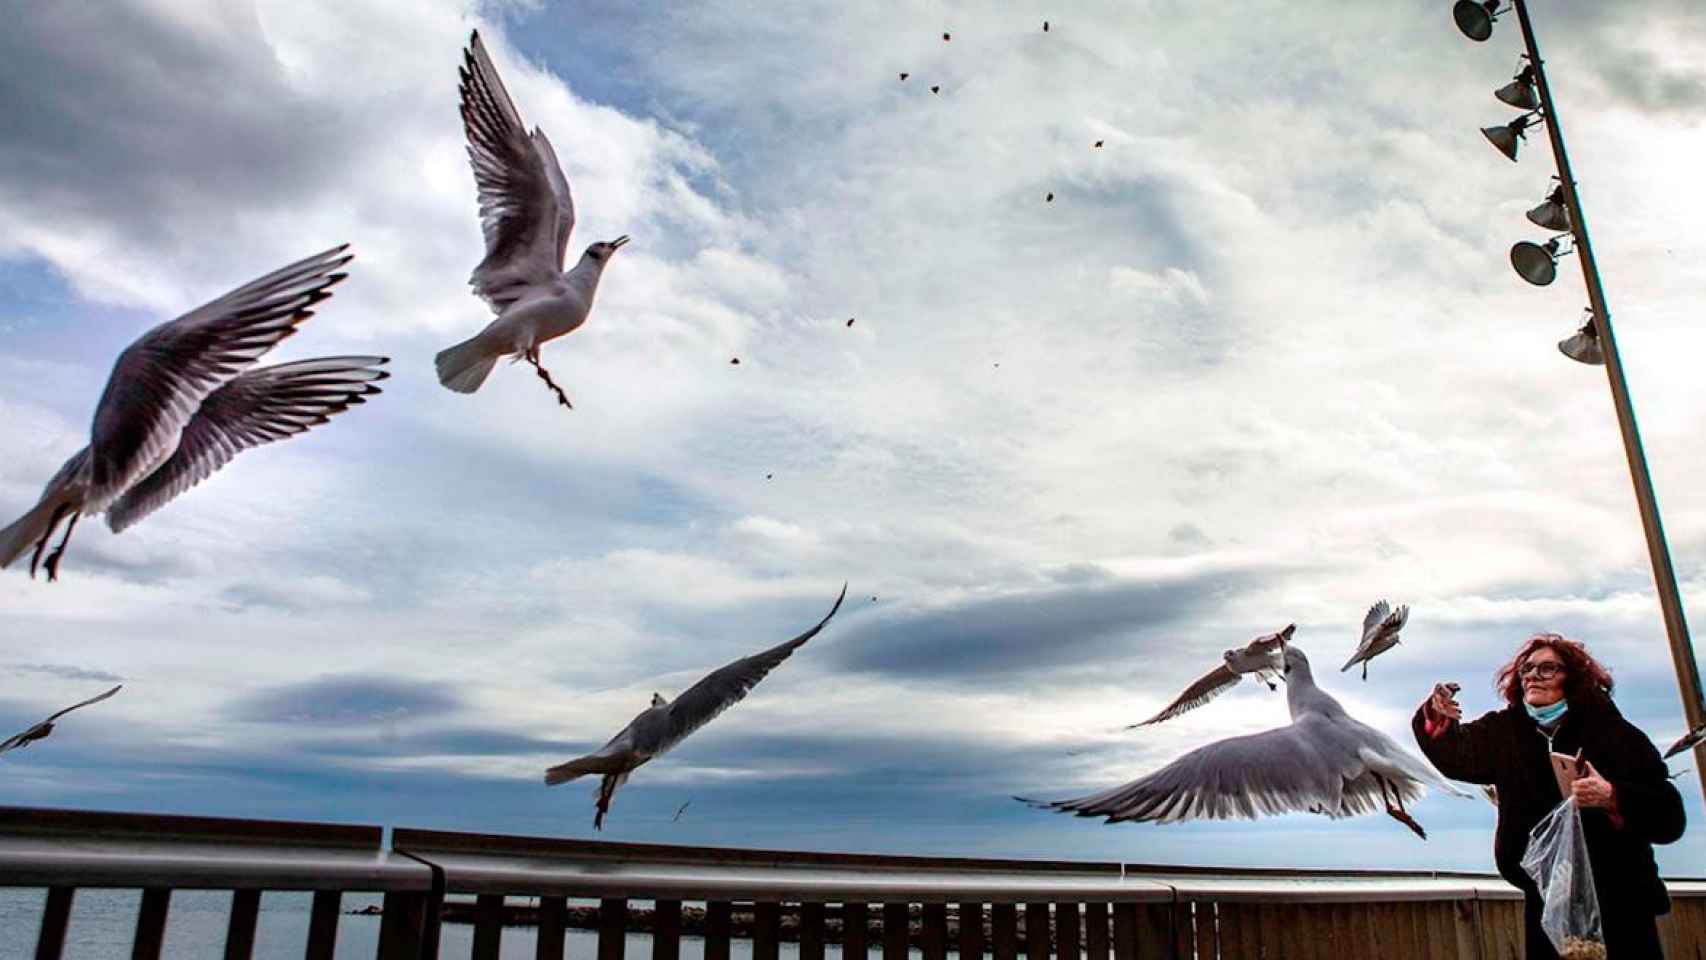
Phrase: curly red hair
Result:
[1585,679]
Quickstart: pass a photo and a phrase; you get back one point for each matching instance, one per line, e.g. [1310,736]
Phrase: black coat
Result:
[1506,748]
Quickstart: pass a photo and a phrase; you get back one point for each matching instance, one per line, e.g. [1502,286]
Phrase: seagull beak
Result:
[619,241]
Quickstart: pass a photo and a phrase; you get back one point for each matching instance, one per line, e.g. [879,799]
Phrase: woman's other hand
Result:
[1593,790]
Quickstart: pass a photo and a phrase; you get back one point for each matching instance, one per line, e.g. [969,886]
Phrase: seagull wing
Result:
[1275,771]
[559,190]
[727,686]
[1686,741]
[253,408]
[76,706]
[1208,686]
[525,210]
[160,381]
[17,740]
[1376,616]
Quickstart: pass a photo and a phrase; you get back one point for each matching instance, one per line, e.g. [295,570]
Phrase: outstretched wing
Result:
[1208,686]
[1275,771]
[1687,741]
[258,407]
[525,210]
[559,190]
[76,706]
[727,686]
[160,381]
[1377,615]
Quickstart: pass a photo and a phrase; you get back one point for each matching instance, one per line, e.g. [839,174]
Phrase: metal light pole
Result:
[1664,575]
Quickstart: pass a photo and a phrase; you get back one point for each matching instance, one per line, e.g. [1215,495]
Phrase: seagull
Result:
[1379,634]
[42,729]
[666,723]
[681,810]
[179,406]
[1323,762]
[1687,741]
[526,214]
[1260,656]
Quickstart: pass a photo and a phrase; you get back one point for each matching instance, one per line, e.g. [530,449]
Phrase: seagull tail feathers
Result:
[564,772]
[464,367]
[17,539]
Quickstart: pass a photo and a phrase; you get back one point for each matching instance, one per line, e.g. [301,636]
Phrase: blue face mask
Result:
[1548,714]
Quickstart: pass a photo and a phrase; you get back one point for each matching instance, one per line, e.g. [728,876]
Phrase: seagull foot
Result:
[545,375]
[1408,821]
[51,564]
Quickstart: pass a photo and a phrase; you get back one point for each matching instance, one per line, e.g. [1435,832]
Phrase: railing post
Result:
[55,916]
[240,931]
[401,925]
[612,928]
[553,917]
[151,923]
[666,930]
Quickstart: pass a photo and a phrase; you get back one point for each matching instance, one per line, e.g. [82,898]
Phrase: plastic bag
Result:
[1557,859]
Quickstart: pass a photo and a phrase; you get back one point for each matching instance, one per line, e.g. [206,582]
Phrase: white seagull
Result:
[179,406]
[1261,656]
[45,727]
[666,723]
[526,214]
[1323,762]
[1379,634]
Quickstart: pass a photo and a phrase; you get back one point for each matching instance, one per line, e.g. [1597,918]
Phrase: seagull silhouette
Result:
[1379,634]
[666,723]
[44,728]
[1262,656]
[526,214]
[180,404]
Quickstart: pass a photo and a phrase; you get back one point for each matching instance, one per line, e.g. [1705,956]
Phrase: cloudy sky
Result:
[1261,360]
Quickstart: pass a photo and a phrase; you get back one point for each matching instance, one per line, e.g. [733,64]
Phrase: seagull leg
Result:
[52,563]
[1365,671]
[52,525]
[1397,812]
[532,356]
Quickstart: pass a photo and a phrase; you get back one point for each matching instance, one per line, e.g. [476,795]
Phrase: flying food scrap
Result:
[935,89]
[904,75]
[734,361]
[1049,198]
[947,36]
[850,321]
[1099,144]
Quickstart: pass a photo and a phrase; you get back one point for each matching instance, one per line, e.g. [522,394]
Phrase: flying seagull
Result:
[526,214]
[179,406]
[42,729]
[1261,656]
[1687,741]
[666,723]
[1379,634]
[681,810]
[1323,762]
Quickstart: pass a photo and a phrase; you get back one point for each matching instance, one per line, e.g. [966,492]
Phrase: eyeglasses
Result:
[1544,671]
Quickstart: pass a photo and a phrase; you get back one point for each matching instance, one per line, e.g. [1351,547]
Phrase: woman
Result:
[1558,700]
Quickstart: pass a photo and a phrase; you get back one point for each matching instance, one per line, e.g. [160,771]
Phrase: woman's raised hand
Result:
[1443,702]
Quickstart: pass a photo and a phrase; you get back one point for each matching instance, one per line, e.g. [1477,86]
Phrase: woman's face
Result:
[1542,676]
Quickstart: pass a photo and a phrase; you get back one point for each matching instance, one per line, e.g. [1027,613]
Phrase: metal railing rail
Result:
[1003,908]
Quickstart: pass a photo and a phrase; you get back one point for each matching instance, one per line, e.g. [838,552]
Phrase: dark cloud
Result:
[1016,637]
[1637,78]
[67,672]
[144,111]
[456,741]
[346,699]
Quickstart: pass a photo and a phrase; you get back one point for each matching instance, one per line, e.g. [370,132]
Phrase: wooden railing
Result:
[1002,908]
